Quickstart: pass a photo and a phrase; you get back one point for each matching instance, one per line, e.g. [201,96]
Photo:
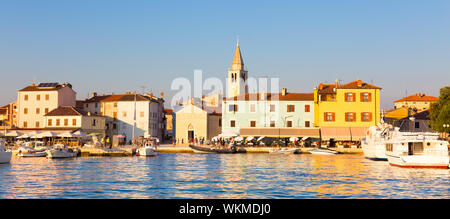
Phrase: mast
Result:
[134,118]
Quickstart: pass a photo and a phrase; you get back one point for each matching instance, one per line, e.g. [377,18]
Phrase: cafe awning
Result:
[343,133]
[280,132]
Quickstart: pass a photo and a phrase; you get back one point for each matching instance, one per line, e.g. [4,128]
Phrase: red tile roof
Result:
[66,111]
[418,97]
[358,84]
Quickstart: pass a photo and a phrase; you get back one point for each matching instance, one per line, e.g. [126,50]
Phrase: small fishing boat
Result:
[61,151]
[323,151]
[216,150]
[5,156]
[283,151]
[148,150]
[32,153]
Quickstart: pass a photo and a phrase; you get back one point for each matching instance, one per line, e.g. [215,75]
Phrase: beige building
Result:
[34,101]
[418,101]
[71,118]
[193,122]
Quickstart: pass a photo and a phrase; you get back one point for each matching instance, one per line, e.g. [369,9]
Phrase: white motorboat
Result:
[5,156]
[418,149]
[32,153]
[283,150]
[374,144]
[61,151]
[148,150]
[323,151]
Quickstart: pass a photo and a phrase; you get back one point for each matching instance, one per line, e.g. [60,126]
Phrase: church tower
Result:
[237,76]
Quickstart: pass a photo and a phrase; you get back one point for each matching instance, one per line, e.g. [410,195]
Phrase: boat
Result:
[61,151]
[5,156]
[374,144]
[31,153]
[148,150]
[418,149]
[216,150]
[323,151]
[283,151]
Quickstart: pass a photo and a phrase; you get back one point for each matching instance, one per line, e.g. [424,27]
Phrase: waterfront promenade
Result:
[129,150]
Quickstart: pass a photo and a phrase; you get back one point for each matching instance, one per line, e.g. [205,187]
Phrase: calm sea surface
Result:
[219,176]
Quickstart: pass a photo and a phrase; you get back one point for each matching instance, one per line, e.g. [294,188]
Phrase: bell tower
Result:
[237,75]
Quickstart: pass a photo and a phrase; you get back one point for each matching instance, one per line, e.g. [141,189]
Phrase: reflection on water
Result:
[213,176]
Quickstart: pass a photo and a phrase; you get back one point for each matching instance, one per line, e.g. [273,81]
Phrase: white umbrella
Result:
[12,134]
[293,138]
[47,134]
[66,135]
[304,138]
[238,138]
[260,138]
[229,134]
[79,134]
[24,136]
[34,134]
[250,138]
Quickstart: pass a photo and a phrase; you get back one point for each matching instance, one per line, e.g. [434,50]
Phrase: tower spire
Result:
[238,62]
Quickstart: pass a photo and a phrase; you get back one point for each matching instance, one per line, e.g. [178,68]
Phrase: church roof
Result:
[238,62]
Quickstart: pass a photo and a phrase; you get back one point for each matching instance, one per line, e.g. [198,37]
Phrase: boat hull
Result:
[419,161]
[34,154]
[283,151]
[323,151]
[5,157]
[146,152]
[374,151]
[60,154]
[207,150]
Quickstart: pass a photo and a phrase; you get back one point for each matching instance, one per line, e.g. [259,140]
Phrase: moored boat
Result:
[283,150]
[374,144]
[147,150]
[420,150]
[217,150]
[5,156]
[61,151]
[323,151]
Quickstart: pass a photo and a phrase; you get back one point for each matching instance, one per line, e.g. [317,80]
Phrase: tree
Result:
[440,111]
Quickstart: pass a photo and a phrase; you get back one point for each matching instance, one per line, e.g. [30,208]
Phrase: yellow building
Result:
[346,110]
[195,123]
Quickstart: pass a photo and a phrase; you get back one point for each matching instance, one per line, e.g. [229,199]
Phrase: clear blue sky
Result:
[118,46]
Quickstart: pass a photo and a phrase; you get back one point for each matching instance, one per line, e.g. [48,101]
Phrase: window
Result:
[38,110]
[25,111]
[350,117]
[220,122]
[115,115]
[272,123]
[232,108]
[307,108]
[329,117]
[96,105]
[389,147]
[252,108]
[114,126]
[25,124]
[47,97]
[115,104]
[37,124]
[94,123]
[58,122]
[366,117]
[289,124]
[142,114]
[74,122]
[38,97]
[124,114]
[416,125]
[307,124]
[66,122]
[272,107]
[49,122]
[366,97]
[46,110]
[232,123]
[25,97]
[349,97]
[290,108]
[253,123]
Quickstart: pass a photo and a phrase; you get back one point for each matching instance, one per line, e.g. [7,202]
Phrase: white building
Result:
[33,102]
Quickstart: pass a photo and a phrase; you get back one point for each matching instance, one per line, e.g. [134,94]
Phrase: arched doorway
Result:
[191,133]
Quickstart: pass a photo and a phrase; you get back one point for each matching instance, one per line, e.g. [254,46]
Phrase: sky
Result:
[111,46]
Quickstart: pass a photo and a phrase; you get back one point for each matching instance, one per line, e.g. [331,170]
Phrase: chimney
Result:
[162,95]
[283,91]
[151,95]
[94,94]
[359,83]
